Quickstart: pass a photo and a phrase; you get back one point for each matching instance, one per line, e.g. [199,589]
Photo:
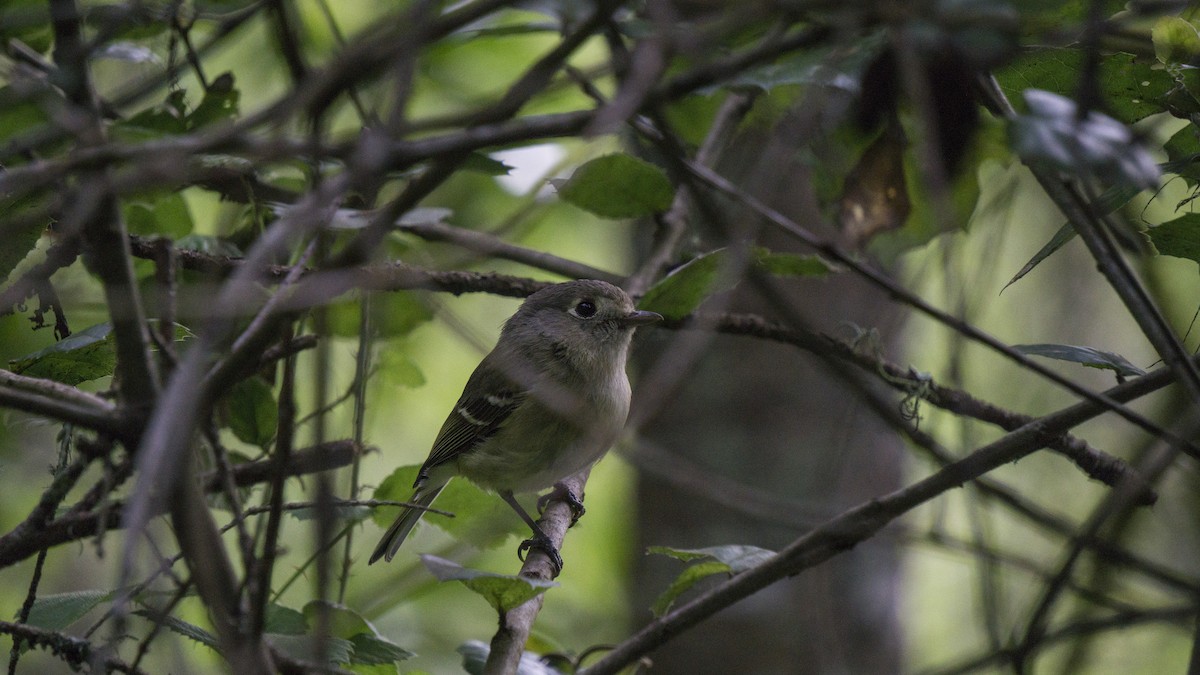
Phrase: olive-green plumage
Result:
[548,401]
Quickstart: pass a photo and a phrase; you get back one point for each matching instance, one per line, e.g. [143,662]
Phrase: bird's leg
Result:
[539,541]
[563,493]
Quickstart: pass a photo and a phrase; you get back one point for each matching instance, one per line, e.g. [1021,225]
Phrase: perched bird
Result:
[547,402]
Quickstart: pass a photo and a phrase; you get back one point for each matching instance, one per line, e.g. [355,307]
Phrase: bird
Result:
[547,402]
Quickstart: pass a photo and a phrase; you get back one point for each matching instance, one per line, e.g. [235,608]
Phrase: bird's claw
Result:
[563,493]
[541,543]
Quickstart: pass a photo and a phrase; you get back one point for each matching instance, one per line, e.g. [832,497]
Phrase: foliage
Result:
[264,212]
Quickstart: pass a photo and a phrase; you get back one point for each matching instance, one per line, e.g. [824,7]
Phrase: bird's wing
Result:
[475,418]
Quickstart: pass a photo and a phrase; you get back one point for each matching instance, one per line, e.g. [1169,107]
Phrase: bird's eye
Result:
[586,309]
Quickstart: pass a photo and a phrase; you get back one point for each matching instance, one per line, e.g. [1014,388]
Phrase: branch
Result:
[61,402]
[76,652]
[898,292]
[1095,463]
[23,542]
[860,523]
[93,210]
[508,644]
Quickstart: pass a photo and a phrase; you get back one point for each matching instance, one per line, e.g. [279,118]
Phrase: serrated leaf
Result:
[87,355]
[343,621]
[1179,238]
[252,413]
[1183,154]
[19,242]
[59,611]
[1133,88]
[284,620]
[181,627]
[502,592]
[738,557]
[1088,356]
[1112,199]
[619,186]
[300,647]
[372,650]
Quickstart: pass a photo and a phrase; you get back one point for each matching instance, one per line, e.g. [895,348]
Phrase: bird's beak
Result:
[640,317]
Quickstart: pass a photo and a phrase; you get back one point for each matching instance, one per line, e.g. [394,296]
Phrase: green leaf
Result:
[284,620]
[343,621]
[393,314]
[1183,154]
[501,591]
[738,557]
[793,264]
[252,413]
[477,519]
[368,647]
[57,612]
[481,163]
[397,369]
[18,242]
[716,560]
[1133,88]
[1175,41]
[1179,238]
[164,119]
[181,627]
[1088,356]
[165,215]
[619,186]
[681,292]
[220,104]
[300,647]
[1112,199]
[86,355]
[372,650]
[686,579]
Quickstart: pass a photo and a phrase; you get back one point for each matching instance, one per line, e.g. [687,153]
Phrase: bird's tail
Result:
[399,530]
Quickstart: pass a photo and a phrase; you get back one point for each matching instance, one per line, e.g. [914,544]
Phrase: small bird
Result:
[547,402]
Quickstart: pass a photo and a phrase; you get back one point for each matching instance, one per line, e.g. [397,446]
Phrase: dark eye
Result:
[586,309]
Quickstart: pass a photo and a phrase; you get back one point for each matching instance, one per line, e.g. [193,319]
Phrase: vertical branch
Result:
[94,212]
[362,367]
[284,444]
[515,625]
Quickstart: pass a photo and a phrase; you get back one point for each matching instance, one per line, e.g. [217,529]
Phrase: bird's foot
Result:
[564,493]
[541,542]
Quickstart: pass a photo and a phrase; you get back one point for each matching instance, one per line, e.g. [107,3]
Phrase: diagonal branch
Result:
[856,525]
